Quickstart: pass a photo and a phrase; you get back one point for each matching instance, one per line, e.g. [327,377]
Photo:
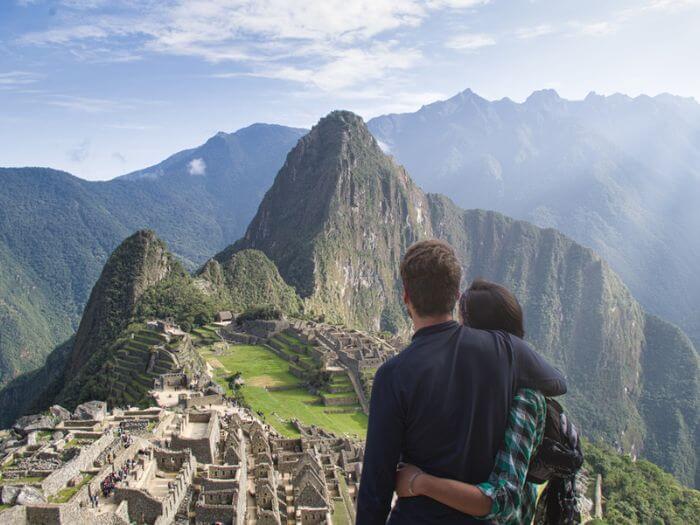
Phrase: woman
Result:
[506,497]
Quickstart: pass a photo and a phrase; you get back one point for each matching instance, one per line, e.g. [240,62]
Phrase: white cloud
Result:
[84,104]
[470,41]
[657,7]
[197,167]
[535,31]
[346,67]
[456,4]
[330,44]
[596,28]
[65,35]
[79,153]
[119,157]
[18,78]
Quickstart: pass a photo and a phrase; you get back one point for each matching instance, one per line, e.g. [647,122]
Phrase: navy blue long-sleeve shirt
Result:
[442,404]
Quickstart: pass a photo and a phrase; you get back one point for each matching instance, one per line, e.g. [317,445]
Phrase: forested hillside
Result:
[56,230]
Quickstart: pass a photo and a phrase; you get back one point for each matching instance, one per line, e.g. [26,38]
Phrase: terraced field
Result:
[272,390]
[141,358]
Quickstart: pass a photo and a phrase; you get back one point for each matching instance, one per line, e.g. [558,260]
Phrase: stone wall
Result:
[223,471]
[208,484]
[204,448]
[212,513]
[264,329]
[16,515]
[350,399]
[142,507]
[241,504]
[203,401]
[56,481]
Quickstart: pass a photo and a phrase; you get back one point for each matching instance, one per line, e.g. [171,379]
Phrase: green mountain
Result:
[339,216]
[249,279]
[138,263]
[74,225]
[114,356]
[618,174]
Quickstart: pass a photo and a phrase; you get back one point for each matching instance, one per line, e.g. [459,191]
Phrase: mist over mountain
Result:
[56,230]
[339,216]
[618,174]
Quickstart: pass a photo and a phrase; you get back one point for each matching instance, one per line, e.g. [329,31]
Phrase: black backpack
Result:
[557,461]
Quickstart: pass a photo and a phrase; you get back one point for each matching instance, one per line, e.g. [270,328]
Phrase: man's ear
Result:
[407,303]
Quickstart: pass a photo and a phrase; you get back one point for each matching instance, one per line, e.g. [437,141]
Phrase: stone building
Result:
[198,432]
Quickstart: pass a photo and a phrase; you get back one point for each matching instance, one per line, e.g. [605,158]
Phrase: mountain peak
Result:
[543,96]
[340,122]
[140,261]
[337,198]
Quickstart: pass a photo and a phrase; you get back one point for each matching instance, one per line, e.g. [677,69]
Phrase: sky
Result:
[100,88]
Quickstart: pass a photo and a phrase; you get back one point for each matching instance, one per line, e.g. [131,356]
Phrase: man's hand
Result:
[406,476]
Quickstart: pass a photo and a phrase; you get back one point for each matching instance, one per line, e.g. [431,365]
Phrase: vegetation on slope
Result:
[249,279]
[336,222]
[670,400]
[178,297]
[576,166]
[638,491]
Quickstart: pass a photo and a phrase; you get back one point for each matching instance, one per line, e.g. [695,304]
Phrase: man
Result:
[441,404]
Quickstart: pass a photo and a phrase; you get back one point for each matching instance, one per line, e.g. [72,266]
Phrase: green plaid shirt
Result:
[513,498]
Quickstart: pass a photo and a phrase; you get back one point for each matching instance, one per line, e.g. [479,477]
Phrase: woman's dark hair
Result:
[490,306]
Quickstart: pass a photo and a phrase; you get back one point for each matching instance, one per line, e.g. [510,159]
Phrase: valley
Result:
[290,322]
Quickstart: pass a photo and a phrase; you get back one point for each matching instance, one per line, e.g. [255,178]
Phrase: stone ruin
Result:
[196,459]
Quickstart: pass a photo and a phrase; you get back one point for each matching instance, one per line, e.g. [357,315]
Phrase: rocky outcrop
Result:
[29,496]
[26,424]
[9,493]
[92,410]
[335,223]
[60,412]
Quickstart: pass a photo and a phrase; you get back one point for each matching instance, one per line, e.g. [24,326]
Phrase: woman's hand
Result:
[406,475]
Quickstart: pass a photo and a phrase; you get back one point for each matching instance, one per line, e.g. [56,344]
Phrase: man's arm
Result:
[532,371]
[382,449]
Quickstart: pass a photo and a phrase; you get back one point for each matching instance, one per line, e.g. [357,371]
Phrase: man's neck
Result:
[424,322]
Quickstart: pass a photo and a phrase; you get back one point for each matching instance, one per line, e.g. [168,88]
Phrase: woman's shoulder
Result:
[530,397]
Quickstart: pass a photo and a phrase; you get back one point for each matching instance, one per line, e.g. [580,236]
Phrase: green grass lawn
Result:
[262,368]
[340,514]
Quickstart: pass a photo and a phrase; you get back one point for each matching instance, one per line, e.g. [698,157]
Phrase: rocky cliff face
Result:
[341,214]
[139,262]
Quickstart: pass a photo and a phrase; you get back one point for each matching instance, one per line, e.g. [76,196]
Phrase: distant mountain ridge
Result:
[75,224]
[340,215]
[618,174]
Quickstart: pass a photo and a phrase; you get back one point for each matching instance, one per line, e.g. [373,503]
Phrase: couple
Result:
[455,417]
